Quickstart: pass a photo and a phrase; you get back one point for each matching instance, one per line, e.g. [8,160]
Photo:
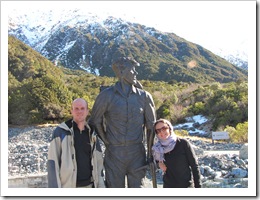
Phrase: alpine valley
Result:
[77,40]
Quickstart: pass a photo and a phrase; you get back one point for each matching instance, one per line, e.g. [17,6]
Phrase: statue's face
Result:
[129,75]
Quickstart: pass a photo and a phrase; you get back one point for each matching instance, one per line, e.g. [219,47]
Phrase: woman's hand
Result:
[162,166]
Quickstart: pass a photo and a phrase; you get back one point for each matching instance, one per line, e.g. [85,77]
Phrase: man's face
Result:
[79,111]
[129,75]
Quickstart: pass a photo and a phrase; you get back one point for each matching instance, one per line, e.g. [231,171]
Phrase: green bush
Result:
[197,108]
[238,134]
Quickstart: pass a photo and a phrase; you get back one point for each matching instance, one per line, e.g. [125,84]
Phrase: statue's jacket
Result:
[126,117]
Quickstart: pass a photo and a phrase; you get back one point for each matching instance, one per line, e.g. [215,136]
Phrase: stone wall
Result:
[33,181]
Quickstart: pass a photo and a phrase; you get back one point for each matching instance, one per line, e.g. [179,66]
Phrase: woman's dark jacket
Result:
[181,163]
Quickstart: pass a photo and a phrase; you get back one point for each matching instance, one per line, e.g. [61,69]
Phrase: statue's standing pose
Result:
[121,115]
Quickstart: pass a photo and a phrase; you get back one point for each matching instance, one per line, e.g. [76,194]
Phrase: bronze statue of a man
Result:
[121,115]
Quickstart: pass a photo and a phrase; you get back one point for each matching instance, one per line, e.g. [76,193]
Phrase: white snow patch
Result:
[189,124]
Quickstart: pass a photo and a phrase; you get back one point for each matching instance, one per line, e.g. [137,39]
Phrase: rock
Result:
[198,150]
[238,185]
[239,173]
[243,152]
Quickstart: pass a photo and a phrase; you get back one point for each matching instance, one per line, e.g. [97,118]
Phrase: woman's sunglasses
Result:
[164,128]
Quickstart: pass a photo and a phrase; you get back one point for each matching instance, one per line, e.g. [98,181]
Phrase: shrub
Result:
[238,134]
[197,108]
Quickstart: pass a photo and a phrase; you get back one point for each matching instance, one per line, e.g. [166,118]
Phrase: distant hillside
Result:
[36,88]
[40,92]
[78,42]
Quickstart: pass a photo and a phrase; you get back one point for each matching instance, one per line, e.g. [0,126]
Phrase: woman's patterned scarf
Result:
[163,146]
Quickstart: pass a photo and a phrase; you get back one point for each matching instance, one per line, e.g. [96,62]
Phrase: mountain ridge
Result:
[91,44]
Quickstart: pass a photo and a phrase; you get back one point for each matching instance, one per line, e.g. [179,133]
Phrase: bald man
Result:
[75,156]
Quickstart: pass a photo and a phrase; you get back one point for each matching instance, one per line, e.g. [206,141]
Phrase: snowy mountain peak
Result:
[37,24]
[36,27]
[237,57]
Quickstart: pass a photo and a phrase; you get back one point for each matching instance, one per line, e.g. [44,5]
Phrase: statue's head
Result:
[122,63]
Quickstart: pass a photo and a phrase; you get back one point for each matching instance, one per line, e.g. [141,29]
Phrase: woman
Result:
[176,158]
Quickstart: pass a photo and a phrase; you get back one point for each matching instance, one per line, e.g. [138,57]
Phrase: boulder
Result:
[243,152]
[239,173]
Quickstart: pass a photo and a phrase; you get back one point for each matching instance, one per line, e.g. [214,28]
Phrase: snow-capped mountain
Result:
[37,26]
[238,57]
[80,40]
